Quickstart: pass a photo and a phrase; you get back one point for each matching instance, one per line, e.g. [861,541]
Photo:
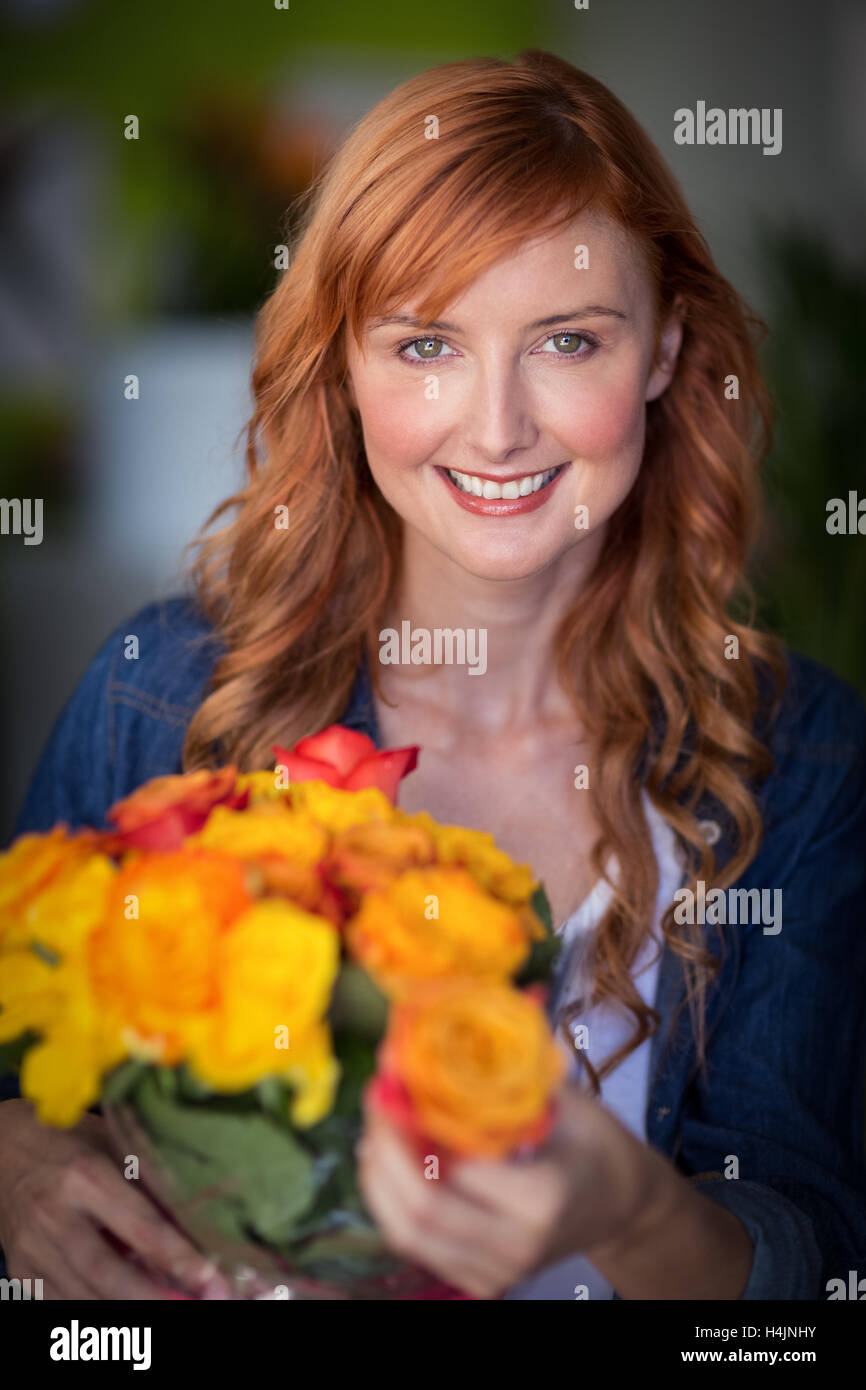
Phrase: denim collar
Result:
[360,712]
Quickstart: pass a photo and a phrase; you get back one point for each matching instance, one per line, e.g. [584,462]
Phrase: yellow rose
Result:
[63,1073]
[477,852]
[32,994]
[335,809]
[284,847]
[275,969]
[45,978]
[263,787]
[46,988]
[266,829]
[29,867]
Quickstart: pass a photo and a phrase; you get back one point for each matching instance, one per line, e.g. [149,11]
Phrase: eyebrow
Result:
[587,311]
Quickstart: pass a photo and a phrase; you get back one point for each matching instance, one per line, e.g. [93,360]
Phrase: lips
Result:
[488,496]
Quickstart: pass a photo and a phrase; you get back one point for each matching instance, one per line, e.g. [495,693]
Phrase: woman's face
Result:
[506,433]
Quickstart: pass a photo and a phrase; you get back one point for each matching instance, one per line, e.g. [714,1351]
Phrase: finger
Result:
[501,1186]
[51,1291]
[454,1260]
[416,1204]
[134,1219]
[417,1207]
[65,1280]
[105,1271]
[82,1267]
[60,1284]
[385,1155]
[50,1263]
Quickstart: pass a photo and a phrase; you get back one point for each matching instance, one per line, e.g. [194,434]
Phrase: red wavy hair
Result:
[522,148]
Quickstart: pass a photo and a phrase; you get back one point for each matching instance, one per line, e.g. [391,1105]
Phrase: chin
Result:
[502,567]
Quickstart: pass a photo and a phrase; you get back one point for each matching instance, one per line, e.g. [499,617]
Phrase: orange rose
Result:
[477,852]
[30,866]
[470,1065]
[433,922]
[285,847]
[368,857]
[154,957]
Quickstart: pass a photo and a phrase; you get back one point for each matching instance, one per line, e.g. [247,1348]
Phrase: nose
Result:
[499,420]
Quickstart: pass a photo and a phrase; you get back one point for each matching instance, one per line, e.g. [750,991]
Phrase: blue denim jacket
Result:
[784,1090]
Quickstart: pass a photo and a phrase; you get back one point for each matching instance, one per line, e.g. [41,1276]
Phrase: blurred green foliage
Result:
[195,204]
[194,208]
[812,584]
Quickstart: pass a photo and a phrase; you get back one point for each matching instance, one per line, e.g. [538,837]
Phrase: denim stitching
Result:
[131,690]
[141,708]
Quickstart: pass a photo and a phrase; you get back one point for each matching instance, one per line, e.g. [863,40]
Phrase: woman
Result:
[504,391]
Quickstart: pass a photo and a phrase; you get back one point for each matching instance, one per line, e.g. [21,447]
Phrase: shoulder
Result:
[127,717]
[160,659]
[812,802]
[818,743]
[821,716]
[813,807]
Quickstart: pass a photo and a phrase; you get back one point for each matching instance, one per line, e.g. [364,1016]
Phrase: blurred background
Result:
[151,256]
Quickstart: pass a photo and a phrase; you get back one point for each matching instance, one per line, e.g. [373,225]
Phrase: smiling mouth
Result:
[510,491]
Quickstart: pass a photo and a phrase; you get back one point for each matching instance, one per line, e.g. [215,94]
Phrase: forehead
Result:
[590,260]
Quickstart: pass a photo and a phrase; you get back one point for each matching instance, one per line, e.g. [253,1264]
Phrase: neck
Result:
[509,627]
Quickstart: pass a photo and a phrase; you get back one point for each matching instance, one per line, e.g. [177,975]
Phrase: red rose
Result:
[160,814]
[346,759]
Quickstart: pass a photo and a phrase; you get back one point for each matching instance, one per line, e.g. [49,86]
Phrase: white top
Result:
[624,1090]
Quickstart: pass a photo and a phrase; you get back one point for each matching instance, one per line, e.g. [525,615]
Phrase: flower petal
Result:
[302,769]
[384,770]
[341,747]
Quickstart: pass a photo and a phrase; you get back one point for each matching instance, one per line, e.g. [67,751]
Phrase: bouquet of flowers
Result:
[228,968]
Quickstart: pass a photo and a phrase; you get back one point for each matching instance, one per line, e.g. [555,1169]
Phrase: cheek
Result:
[401,424]
[604,423]
[604,433]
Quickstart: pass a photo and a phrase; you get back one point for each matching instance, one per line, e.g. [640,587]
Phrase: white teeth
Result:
[491,492]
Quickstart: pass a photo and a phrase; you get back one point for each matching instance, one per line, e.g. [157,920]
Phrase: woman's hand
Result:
[485,1225]
[60,1192]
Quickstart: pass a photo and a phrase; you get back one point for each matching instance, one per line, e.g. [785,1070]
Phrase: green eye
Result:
[567,342]
[428,347]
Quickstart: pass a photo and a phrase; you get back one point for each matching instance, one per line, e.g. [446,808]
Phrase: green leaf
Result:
[543,953]
[275,1099]
[189,1087]
[166,1080]
[540,904]
[245,1158]
[204,1210]
[45,953]
[12,1053]
[357,1057]
[540,962]
[355,1252]
[120,1082]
